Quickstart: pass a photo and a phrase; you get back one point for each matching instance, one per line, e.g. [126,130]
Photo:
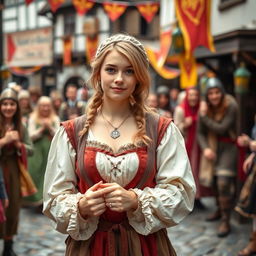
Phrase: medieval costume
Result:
[182,111]
[16,178]
[70,108]
[159,174]
[217,131]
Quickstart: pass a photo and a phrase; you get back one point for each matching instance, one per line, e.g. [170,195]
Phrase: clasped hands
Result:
[101,196]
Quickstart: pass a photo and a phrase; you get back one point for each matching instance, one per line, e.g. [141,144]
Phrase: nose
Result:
[119,78]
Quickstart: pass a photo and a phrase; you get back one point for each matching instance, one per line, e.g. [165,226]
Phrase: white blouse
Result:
[163,206]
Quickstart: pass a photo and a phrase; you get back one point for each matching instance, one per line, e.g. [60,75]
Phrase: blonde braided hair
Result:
[133,50]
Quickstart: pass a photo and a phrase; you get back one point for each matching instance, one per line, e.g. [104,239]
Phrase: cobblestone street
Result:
[193,237]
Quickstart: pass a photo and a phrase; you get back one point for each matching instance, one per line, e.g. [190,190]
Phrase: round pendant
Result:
[115,134]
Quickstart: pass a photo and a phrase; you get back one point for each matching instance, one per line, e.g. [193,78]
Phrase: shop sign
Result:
[29,48]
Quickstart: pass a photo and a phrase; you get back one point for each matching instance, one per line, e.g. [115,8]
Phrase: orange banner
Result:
[113,10]
[194,21]
[148,10]
[67,50]
[188,75]
[82,6]
[91,47]
[24,71]
[55,4]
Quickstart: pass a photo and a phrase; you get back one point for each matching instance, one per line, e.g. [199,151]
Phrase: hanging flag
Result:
[19,71]
[194,21]
[188,68]
[148,10]
[91,47]
[157,58]
[55,4]
[114,10]
[82,6]
[28,2]
[67,50]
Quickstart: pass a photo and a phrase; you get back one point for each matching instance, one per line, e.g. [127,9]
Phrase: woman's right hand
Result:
[92,203]
[209,154]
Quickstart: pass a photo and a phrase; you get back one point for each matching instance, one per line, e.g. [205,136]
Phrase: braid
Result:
[139,115]
[91,111]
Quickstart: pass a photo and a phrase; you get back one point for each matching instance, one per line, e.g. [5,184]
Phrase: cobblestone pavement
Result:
[193,237]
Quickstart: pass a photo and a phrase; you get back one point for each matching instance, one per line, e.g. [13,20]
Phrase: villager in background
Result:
[217,138]
[14,145]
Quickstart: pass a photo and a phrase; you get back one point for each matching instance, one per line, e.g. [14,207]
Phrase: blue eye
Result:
[129,71]
[110,70]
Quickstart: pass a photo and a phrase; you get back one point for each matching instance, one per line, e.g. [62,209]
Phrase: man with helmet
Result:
[217,136]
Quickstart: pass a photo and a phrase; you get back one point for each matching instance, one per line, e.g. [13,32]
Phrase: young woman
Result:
[119,176]
[42,125]
[186,118]
[14,143]
[217,139]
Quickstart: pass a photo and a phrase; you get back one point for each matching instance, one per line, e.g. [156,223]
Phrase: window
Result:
[138,27]
[69,24]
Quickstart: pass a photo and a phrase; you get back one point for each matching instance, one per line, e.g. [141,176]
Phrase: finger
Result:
[101,192]
[95,186]
[104,185]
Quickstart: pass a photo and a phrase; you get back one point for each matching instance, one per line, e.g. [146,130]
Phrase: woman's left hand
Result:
[120,199]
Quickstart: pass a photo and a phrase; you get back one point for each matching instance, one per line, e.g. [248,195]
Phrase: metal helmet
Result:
[9,93]
[214,82]
[162,89]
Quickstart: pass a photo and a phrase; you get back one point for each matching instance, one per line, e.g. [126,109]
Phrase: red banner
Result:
[82,6]
[148,10]
[91,47]
[55,4]
[67,51]
[113,10]
[194,21]
[28,2]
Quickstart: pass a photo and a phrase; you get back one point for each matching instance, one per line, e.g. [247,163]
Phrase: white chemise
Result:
[163,206]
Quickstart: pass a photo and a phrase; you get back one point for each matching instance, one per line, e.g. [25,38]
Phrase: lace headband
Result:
[122,38]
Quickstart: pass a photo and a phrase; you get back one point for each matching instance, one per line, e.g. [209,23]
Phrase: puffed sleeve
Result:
[60,194]
[172,198]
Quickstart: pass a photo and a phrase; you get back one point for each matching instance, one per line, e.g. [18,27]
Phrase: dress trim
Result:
[107,148]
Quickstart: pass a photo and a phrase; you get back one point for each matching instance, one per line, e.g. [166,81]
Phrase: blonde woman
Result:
[118,176]
[42,125]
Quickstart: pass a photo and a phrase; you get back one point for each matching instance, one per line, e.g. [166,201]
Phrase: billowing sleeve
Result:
[172,198]
[60,193]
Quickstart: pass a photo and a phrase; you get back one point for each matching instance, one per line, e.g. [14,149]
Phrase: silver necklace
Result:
[115,133]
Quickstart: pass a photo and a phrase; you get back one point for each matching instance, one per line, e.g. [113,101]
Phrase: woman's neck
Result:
[116,109]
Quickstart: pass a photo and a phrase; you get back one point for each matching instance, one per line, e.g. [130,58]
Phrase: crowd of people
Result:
[106,177]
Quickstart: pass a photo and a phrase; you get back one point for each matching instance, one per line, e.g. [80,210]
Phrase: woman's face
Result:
[44,109]
[118,79]
[24,103]
[193,97]
[214,96]
[8,108]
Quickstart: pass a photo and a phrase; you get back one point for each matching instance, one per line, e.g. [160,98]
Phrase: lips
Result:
[117,89]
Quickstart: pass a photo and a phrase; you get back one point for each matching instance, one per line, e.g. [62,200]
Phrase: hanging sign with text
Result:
[29,48]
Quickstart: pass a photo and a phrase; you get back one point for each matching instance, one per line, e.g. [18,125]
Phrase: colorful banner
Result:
[113,10]
[188,75]
[67,50]
[28,2]
[55,4]
[24,71]
[158,57]
[82,6]
[194,21]
[148,10]
[91,47]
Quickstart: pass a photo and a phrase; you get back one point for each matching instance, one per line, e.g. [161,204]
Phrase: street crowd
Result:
[207,121]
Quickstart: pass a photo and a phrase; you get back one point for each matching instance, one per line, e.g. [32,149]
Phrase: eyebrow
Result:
[112,65]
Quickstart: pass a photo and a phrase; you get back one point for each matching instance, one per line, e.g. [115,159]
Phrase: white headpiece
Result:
[122,38]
